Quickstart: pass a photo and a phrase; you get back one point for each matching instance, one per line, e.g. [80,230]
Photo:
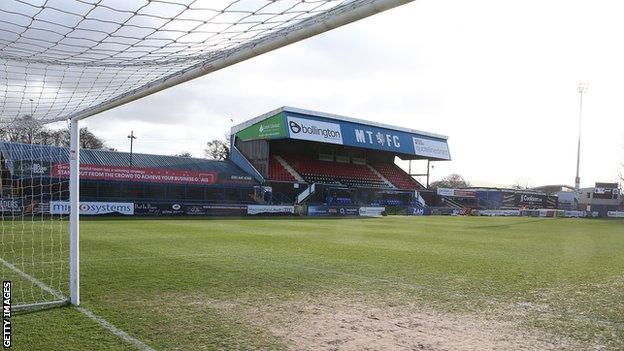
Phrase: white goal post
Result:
[67,63]
[74,213]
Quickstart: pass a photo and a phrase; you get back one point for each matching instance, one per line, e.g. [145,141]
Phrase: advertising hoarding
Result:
[333,211]
[179,209]
[318,129]
[606,191]
[270,128]
[94,208]
[456,192]
[270,209]
[371,211]
[137,174]
[314,130]
[531,200]
[10,206]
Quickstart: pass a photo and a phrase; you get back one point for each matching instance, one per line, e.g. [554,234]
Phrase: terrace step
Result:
[385,180]
[289,169]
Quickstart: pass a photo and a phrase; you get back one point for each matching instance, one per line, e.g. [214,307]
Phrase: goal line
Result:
[62,301]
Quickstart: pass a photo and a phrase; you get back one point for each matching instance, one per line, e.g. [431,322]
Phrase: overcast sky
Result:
[498,77]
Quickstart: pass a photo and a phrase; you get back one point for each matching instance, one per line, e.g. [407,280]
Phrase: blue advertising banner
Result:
[418,211]
[325,130]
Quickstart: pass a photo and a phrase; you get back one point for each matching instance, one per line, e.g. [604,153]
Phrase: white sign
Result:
[93,208]
[615,214]
[574,214]
[371,211]
[431,148]
[306,129]
[499,213]
[446,192]
[257,209]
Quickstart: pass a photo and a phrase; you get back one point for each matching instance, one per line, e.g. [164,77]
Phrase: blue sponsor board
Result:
[418,211]
[333,131]
[333,211]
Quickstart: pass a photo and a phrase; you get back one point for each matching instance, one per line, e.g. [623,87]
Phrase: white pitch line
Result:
[99,320]
[113,329]
[33,280]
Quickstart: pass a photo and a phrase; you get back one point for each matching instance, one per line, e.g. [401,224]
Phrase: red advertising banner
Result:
[464,193]
[137,174]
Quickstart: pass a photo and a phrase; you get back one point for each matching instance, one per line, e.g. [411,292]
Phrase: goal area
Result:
[62,61]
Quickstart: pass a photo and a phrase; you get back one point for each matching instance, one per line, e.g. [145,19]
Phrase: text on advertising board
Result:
[93,208]
[137,174]
[307,129]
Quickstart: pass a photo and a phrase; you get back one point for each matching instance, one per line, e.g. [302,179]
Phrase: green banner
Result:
[271,128]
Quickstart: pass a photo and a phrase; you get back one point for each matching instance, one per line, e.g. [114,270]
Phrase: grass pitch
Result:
[272,284]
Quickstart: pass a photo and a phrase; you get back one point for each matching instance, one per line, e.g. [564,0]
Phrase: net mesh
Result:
[60,57]
[34,240]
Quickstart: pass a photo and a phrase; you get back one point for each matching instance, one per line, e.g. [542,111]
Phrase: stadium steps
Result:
[309,191]
[397,176]
[385,180]
[451,203]
[289,169]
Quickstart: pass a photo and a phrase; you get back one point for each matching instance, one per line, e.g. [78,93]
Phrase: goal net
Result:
[66,60]
[33,238]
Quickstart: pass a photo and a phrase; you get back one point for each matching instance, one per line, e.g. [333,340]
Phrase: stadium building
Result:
[323,163]
[603,198]
[285,161]
[327,161]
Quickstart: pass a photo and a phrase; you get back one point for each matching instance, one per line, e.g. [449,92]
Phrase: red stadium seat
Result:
[278,172]
[397,176]
[326,172]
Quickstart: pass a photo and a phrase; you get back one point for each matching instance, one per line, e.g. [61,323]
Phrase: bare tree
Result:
[452,181]
[88,140]
[218,149]
[28,130]
[24,130]
[183,154]
[521,184]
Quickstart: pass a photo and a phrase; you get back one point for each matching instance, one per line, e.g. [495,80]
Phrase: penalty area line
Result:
[99,320]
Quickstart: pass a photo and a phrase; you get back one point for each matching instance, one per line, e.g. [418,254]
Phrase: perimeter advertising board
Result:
[333,211]
[270,209]
[8,206]
[179,209]
[94,208]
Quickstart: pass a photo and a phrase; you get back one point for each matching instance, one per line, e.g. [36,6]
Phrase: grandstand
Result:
[37,175]
[318,158]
